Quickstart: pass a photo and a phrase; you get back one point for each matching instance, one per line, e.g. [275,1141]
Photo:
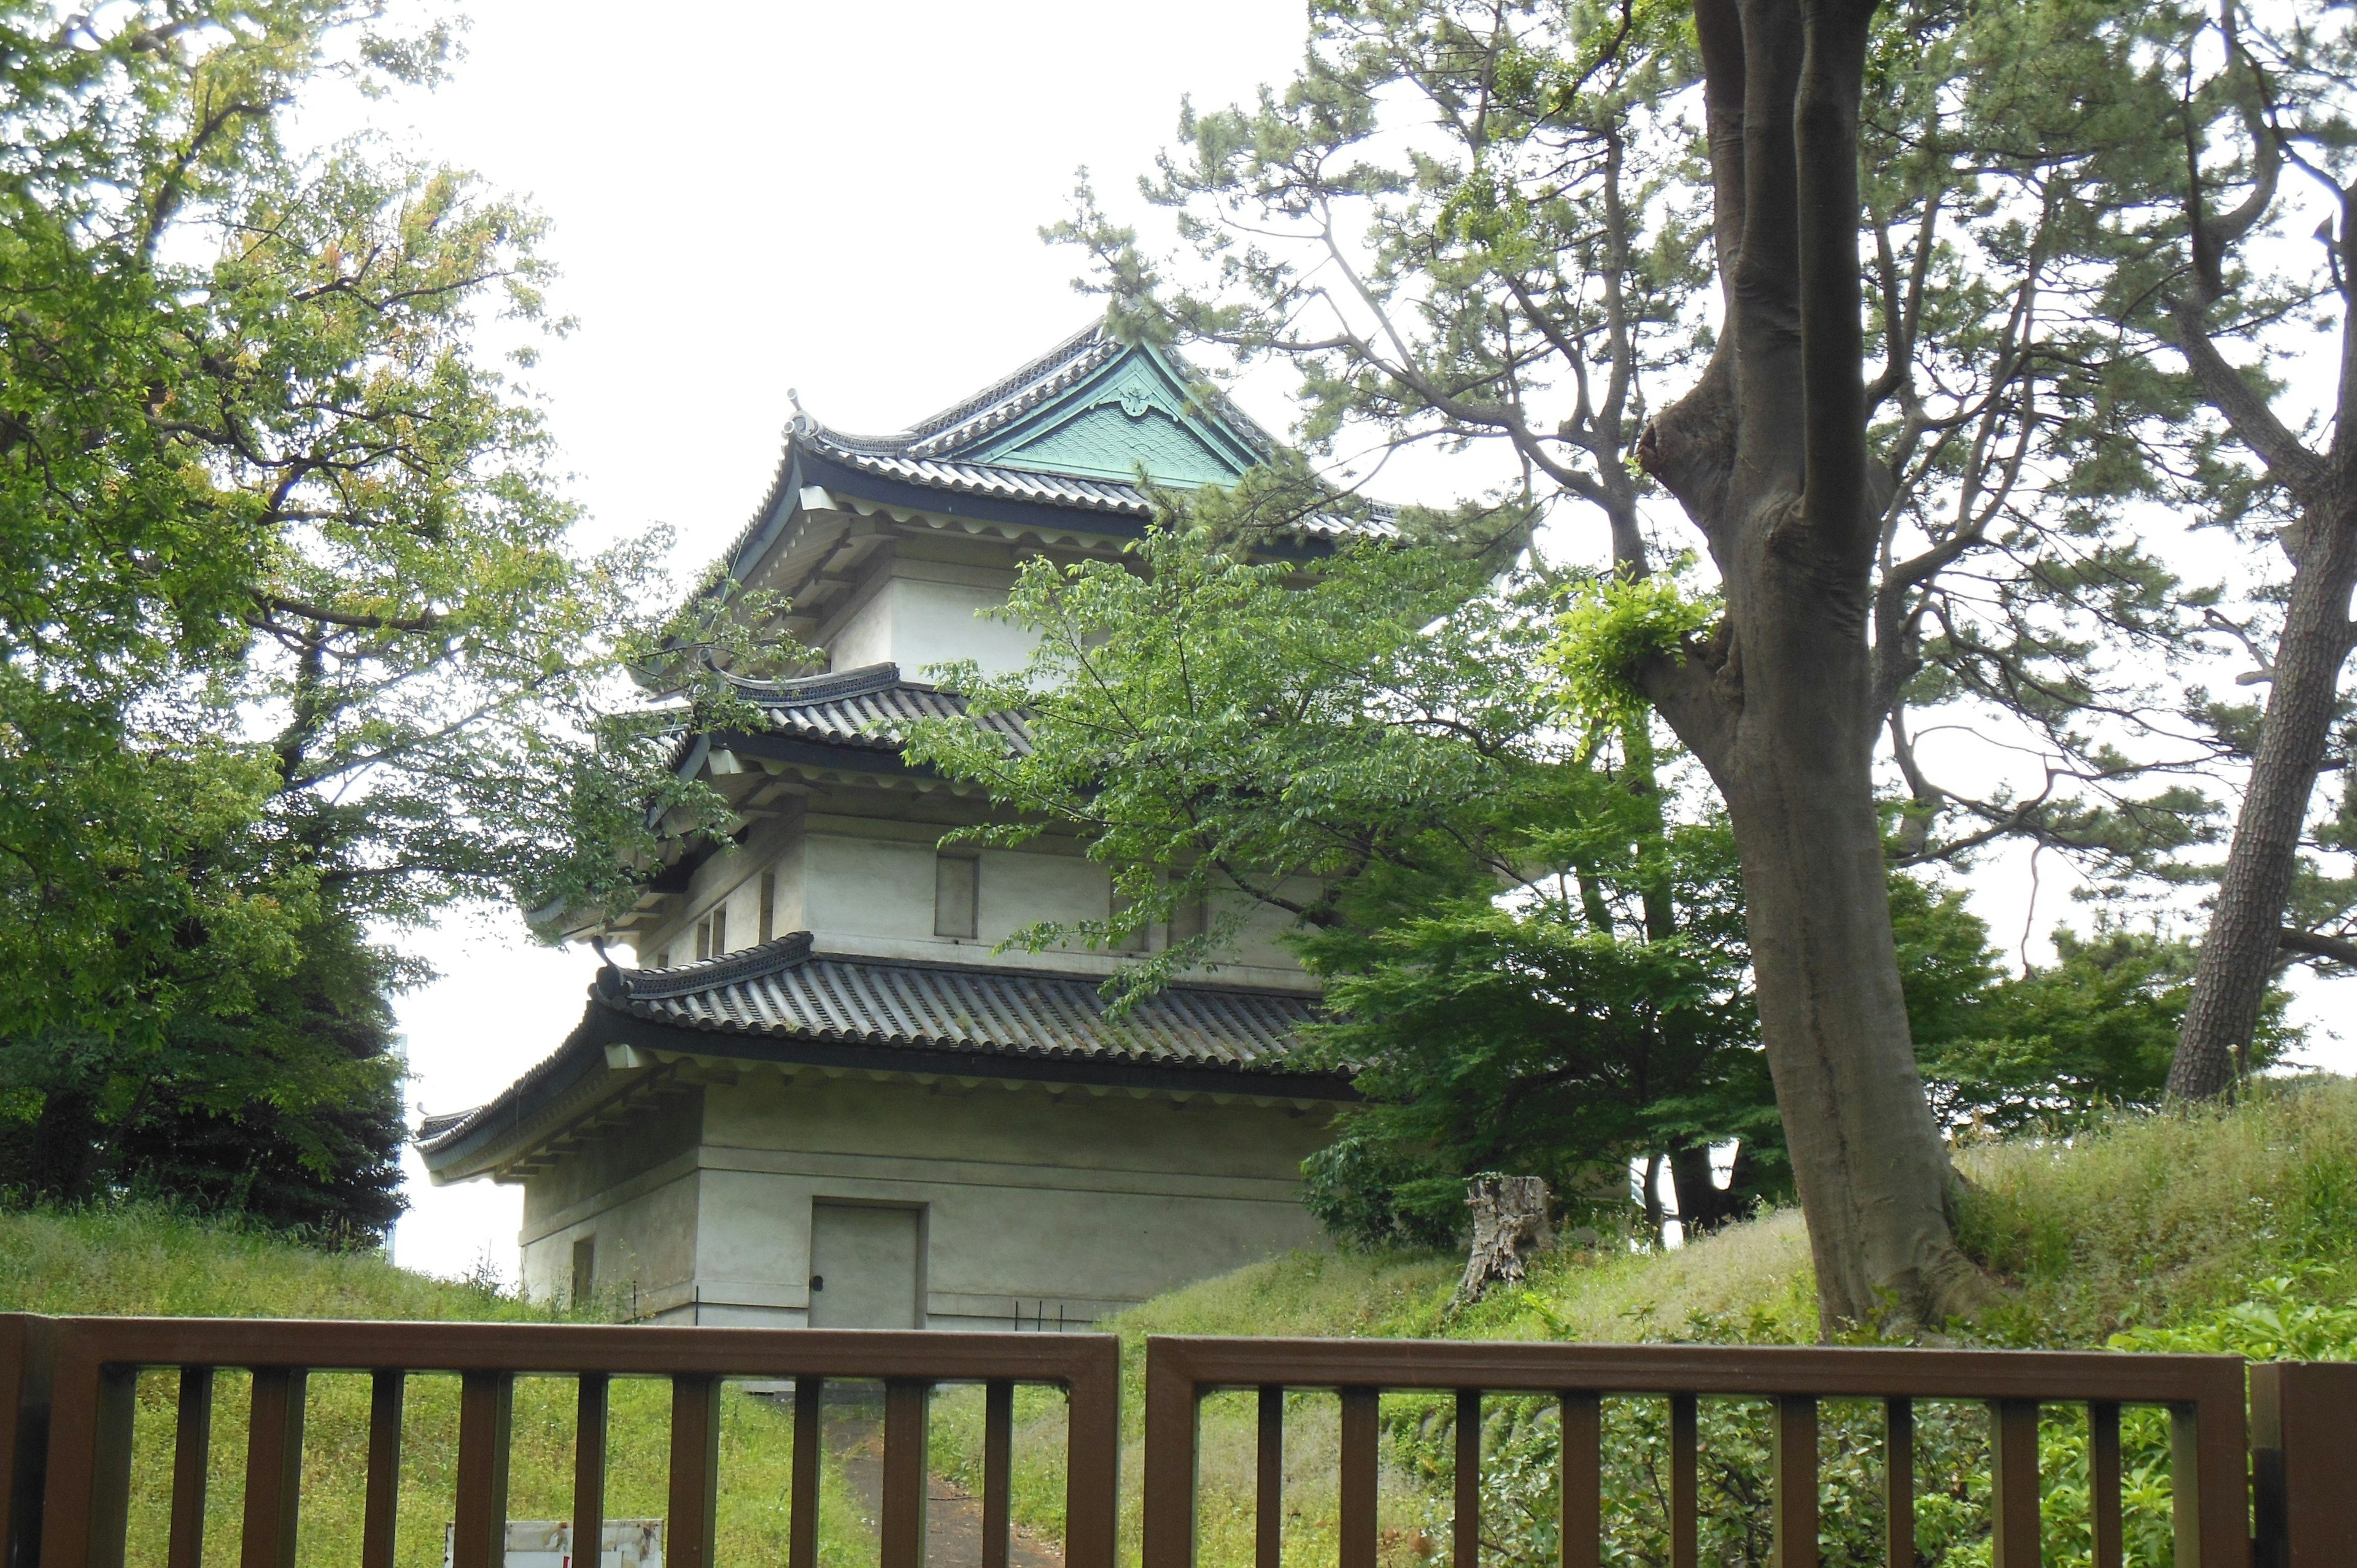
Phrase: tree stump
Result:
[1510,1217]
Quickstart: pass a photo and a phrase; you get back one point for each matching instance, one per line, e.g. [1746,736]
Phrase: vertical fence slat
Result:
[110,1494]
[694,1472]
[192,1437]
[2185,1495]
[903,1544]
[1795,1483]
[802,1522]
[997,1471]
[380,1516]
[485,1415]
[2013,1483]
[1583,1480]
[1093,1458]
[2209,1476]
[2300,1463]
[1467,1540]
[1685,1476]
[2104,1481]
[1359,1408]
[1172,1406]
[1898,1482]
[592,1398]
[67,1484]
[27,1359]
[1268,1494]
[274,1468]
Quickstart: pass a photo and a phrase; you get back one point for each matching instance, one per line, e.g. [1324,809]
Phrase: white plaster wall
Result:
[793,913]
[633,1188]
[936,622]
[644,1236]
[868,888]
[916,621]
[1261,942]
[1082,1201]
[732,875]
[866,637]
[874,894]
[863,888]
[1020,888]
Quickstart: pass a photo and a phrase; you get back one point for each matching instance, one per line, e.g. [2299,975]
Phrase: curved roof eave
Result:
[639,1012]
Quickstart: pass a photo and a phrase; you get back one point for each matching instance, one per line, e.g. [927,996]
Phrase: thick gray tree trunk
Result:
[1768,455]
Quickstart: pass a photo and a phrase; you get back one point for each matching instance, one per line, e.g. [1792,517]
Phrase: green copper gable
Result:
[1136,412]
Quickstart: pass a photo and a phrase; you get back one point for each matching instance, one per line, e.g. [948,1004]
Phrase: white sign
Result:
[548,1543]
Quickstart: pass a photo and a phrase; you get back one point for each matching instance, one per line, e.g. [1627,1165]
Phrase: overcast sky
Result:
[841,200]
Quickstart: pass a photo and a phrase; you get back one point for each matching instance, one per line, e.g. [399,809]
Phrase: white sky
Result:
[842,199]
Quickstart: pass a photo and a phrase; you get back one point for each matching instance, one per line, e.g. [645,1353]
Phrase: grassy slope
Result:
[2151,1221]
[2164,1223]
[2161,1223]
[144,1261]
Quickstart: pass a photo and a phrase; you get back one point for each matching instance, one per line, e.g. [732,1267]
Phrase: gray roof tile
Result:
[870,706]
[786,991]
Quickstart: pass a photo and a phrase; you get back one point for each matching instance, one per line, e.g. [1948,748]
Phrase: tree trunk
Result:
[1871,1167]
[1510,1218]
[1768,456]
[1703,1204]
[2238,953]
[63,1148]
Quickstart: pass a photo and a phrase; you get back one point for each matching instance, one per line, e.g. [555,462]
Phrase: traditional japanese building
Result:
[822,1098]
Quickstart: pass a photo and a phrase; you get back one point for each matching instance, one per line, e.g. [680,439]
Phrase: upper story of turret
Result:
[891,553]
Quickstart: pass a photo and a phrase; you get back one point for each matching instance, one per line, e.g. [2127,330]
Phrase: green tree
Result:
[1550,1035]
[2257,113]
[298,640]
[1526,965]
[2053,1046]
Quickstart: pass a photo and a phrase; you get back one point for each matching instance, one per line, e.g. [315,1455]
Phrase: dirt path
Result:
[855,1437]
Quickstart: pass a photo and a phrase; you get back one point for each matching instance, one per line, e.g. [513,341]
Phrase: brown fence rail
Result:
[2204,1395]
[67,1388]
[77,1376]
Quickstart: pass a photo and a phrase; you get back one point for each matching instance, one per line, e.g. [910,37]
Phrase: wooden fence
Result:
[72,1382]
[66,1456]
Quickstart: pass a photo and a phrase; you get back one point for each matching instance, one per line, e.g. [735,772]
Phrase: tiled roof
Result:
[782,993]
[930,454]
[1029,484]
[1016,392]
[784,990]
[983,478]
[870,706]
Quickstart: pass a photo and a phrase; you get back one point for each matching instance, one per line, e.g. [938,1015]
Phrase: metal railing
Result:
[78,1510]
[2203,1394]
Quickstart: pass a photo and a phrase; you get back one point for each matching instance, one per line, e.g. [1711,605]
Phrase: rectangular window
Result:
[1135,941]
[585,1269]
[702,940]
[957,891]
[769,905]
[1187,920]
[663,958]
[720,930]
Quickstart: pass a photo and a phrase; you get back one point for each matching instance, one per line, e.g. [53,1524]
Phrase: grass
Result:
[152,1262]
[2232,1229]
